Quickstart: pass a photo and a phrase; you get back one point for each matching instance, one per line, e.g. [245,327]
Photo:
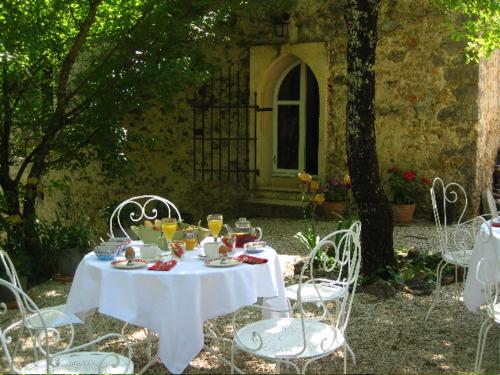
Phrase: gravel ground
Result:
[388,336]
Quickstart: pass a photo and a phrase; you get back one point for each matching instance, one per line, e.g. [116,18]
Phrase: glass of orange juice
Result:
[190,240]
[168,227]
[214,225]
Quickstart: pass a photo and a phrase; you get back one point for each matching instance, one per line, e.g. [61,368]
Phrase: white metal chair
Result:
[304,338]
[51,315]
[455,242]
[491,291]
[141,207]
[67,359]
[317,290]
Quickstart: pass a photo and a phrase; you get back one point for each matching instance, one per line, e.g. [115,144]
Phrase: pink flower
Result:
[409,175]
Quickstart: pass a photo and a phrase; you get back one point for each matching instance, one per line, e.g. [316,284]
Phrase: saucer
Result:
[124,264]
[222,262]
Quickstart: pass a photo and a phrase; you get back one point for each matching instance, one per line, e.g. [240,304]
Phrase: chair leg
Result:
[35,344]
[149,343]
[480,353]
[479,343]
[232,357]
[439,273]
[345,358]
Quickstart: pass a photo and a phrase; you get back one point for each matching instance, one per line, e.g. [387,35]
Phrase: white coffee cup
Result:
[150,251]
[211,249]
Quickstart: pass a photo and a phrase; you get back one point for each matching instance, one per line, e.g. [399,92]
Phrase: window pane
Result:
[288,137]
[290,86]
[312,123]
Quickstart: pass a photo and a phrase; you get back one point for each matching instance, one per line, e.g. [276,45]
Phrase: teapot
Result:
[244,232]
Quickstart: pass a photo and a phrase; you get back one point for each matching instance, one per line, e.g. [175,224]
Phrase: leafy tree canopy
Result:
[478,23]
[69,72]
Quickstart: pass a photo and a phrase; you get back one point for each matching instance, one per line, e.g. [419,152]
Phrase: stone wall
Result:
[488,140]
[426,96]
[426,106]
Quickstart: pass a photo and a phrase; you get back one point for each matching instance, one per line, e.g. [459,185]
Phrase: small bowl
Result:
[120,242]
[106,251]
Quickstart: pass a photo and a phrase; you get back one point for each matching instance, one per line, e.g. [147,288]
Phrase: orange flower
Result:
[305,178]
[319,199]
[314,186]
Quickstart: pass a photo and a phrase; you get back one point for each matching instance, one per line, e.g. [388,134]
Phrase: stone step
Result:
[277,193]
[262,207]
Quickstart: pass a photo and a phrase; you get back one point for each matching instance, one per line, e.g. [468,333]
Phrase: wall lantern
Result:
[280,25]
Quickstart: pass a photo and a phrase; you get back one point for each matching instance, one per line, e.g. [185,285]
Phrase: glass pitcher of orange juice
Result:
[244,232]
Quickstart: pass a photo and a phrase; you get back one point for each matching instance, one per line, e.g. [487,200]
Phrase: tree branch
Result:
[70,59]
[108,54]
[6,128]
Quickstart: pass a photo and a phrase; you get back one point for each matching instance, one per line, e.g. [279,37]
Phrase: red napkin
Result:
[161,266]
[250,259]
[495,224]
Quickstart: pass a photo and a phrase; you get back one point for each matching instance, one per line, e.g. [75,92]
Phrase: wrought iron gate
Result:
[224,130]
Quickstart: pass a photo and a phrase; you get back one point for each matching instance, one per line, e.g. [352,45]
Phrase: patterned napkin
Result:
[163,266]
[248,259]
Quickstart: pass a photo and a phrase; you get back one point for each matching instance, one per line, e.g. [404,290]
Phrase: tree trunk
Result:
[374,208]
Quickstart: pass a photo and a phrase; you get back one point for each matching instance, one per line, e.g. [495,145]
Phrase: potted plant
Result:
[65,244]
[405,188]
[336,193]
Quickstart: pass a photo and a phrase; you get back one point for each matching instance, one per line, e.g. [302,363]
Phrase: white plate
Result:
[254,250]
[222,262]
[123,264]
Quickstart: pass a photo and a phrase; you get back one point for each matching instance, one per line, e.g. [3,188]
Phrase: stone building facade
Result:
[435,114]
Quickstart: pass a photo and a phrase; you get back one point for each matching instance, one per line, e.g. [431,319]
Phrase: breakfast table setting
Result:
[173,286]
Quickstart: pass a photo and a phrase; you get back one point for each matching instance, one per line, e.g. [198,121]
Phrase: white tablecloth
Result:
[175,304]
[487,247]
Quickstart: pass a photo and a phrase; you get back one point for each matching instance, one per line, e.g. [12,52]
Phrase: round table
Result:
[176,303]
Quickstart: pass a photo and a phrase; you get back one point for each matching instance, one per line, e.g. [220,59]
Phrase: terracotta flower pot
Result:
[332,210]
[403,213]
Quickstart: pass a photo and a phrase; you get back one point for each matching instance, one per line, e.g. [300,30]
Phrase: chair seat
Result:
[51,318]
[310,294]
[460,258]
[83,363]
[282,338]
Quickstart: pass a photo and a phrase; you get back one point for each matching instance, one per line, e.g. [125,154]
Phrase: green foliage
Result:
[477,21]
[70,71]
[70,229]
[408,266]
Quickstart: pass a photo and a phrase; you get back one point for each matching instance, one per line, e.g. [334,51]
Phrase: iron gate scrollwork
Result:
[224,130]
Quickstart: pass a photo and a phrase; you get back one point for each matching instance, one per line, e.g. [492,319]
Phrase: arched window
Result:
[296,121]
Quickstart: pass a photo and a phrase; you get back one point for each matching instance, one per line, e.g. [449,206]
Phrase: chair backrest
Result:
[45,337]
[140,208]
[487,273]
[343,261]
[447,199]
[489,204]
[12,277]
